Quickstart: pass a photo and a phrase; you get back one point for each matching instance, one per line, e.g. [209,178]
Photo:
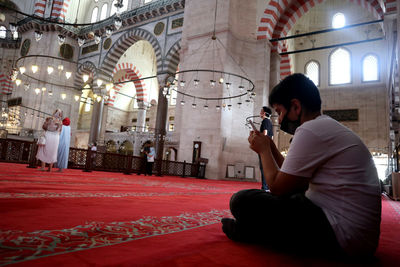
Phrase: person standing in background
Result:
[265,129]
[93,148]
[47,153]
[63,146]
[150,152]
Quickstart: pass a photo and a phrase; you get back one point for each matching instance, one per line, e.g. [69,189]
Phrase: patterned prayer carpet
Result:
[110,219]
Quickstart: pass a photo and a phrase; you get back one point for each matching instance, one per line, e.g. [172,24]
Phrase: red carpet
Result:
[110,219]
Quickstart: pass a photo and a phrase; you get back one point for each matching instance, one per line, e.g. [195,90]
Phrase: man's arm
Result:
[278,182]
[276,154]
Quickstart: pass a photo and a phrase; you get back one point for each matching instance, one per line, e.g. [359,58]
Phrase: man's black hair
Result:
[296,86]
[267,110]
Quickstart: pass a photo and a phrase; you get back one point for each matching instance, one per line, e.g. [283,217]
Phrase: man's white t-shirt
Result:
[343,181]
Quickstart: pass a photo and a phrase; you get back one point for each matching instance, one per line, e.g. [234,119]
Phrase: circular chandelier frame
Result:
[89,86]
[251,89]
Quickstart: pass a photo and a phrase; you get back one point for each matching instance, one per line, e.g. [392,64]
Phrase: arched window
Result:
[339,67]
[370,68]
[103,14]
[94,14]
[338,20]
[312,71]
[114,9]
[3,32]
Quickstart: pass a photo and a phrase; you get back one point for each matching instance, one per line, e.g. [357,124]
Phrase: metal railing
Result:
[17,151]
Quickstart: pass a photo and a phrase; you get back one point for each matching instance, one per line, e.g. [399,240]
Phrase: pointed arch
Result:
[131,73]
[126,41]
[280,15]
[172,58]
[84,68]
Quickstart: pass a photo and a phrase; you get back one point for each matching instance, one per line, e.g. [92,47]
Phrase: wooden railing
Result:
[18,151]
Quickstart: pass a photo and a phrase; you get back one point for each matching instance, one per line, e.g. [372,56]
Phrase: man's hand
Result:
[259,142]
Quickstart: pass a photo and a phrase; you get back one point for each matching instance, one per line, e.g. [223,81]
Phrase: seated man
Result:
[325,196]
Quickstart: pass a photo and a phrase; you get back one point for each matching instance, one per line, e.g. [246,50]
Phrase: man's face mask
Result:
[289,126]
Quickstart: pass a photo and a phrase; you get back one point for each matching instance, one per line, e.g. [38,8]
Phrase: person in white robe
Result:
[63,146]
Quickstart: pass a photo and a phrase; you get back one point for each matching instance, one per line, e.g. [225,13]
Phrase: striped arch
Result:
[280,16]
[126,41]
[172,58]
[5,84]
[40,8]
[84,68]
[59,10]
[390,6]
[131,73]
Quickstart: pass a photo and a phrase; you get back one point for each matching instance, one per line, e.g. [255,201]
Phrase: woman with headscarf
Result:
[63,146]
[47,152]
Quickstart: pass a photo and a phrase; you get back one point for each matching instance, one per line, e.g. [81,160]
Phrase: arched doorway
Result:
[126,148]
[170,154]
[111,146]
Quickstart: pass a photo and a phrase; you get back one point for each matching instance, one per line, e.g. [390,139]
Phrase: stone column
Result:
[236,50]
[161,121]
[141,117]
[96,123]
[275,63]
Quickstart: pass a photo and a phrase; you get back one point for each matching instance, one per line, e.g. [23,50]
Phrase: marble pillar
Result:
[222,133]
[275,63]
[161,121]
[96,122]
[141,117]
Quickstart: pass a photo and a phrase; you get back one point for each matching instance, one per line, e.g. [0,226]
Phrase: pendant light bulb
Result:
[35,68]
[109,86]
[97,38]
[50,70]
[61,39]
[81,41]
[22,69]
[117,23]
[68,74]
[85,77]
[38,35]
[109,32]
[99,82]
